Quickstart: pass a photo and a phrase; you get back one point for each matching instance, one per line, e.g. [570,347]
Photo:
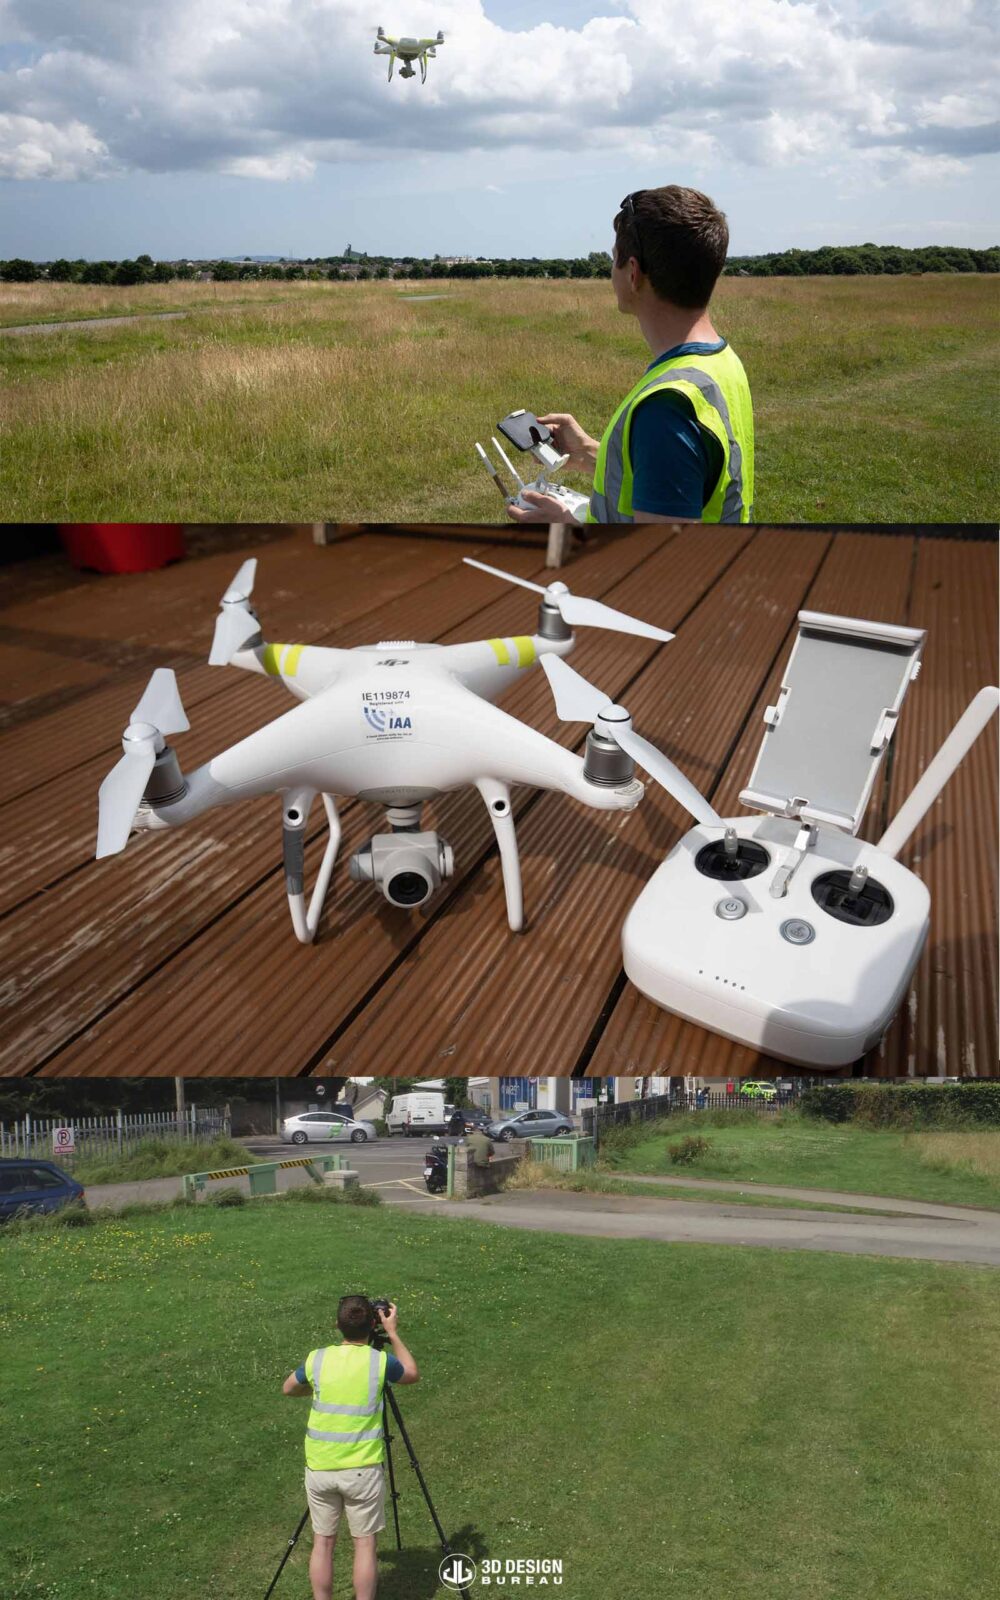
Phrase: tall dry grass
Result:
[345,401]
[33,302]
[974,1151]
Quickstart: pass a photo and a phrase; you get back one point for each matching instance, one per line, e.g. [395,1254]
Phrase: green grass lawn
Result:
[951,1167]
[346,401]
[673,1422]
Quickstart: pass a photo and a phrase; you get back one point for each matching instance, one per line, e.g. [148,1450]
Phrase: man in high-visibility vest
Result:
[345,1444]
[680,445]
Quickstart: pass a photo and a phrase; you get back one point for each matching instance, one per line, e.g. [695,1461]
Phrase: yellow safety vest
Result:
[716,386]
[345,1422]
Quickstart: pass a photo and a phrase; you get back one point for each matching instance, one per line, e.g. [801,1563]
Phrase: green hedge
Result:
[903,1104]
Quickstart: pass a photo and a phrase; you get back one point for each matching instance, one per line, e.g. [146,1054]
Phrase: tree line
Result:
[828,260]
[865,259]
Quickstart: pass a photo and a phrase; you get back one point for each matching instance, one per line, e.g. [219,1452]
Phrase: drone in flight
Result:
[408,51]
[396,723]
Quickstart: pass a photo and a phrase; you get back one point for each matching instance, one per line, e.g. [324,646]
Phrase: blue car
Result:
[27,1185]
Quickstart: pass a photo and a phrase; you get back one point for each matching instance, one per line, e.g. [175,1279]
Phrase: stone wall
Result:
[472,1181]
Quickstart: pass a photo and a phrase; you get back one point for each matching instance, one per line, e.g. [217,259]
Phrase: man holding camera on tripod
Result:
[681,443]
[345,1443]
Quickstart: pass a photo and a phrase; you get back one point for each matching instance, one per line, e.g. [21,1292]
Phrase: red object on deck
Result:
[122,546]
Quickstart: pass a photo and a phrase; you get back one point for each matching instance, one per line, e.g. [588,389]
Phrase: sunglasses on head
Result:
[627,208]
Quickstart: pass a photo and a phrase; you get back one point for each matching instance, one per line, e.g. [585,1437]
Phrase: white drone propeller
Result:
[579,701]
[578,611]
[236,624]
[159,712]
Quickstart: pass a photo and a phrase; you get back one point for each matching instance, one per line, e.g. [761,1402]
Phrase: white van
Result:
[418,1112]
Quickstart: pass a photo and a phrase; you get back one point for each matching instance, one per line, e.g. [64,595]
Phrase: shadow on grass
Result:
[412,1573]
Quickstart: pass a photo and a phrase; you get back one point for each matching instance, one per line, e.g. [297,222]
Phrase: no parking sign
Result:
[63,1141]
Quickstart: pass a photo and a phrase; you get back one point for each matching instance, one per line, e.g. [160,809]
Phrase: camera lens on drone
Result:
[407,889]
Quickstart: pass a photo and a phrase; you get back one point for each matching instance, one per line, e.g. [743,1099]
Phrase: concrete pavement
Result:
[969,1236]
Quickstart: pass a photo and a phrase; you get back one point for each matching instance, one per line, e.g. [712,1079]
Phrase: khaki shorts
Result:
[360,1491]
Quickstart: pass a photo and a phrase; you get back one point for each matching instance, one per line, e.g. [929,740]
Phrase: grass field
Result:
[636,1410]
[297,401]
[956,1167]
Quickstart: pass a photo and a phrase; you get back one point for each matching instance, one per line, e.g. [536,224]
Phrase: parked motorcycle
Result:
[436,1169]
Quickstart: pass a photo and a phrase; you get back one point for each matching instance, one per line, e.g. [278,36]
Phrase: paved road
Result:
[393,1166]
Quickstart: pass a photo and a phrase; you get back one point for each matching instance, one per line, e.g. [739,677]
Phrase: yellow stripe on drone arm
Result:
[281,660]
[525,650]
[499,648]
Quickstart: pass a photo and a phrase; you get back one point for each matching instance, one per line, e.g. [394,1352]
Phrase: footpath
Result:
[879,1225]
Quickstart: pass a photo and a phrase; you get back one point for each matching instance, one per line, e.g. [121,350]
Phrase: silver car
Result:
[530,1125]
[310,1125]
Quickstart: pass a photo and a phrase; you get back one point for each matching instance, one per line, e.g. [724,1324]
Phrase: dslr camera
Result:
[377,1336]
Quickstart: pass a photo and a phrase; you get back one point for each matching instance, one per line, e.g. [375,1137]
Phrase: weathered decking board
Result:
[178,956]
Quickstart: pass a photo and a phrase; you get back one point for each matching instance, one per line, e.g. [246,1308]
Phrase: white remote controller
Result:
[523,429]
[576,504]
[783,930]
[770,944]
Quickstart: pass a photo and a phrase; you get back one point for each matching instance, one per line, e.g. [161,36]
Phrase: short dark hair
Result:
[680,239]
[355,1315]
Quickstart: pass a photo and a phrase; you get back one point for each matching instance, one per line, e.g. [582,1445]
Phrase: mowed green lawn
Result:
[874,397]
[949,1166]
[673,1422]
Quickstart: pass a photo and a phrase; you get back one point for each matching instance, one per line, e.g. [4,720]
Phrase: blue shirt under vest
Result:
[675,465]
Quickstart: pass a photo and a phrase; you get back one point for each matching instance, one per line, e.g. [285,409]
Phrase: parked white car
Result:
[311,1125]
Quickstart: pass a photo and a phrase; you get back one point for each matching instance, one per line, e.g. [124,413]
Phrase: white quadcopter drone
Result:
[523,430]
[408,51]
[397,723]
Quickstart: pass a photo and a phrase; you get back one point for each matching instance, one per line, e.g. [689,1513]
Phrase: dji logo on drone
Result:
[392,661]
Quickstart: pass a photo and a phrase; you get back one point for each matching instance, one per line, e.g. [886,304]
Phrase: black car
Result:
[27,1185]
[475,1117]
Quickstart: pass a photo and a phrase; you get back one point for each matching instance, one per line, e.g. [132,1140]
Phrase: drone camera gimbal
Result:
[407,865]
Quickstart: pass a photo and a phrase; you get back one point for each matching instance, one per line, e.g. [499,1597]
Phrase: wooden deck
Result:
[178,957]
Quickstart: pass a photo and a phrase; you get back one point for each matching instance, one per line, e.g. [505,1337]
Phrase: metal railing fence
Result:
[110,1135]
[597,1120]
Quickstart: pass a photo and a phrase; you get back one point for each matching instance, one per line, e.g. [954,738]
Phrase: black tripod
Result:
[389,1403]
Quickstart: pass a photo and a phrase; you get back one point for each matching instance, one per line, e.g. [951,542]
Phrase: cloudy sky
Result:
[218,127]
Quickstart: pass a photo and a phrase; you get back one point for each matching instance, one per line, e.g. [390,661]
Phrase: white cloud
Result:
[277,168]
[32,148]
[273,87]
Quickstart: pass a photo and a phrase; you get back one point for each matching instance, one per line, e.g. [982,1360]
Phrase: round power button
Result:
[798,931]
[731,910]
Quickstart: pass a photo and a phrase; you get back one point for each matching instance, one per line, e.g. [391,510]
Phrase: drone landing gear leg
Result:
[295,814]
[497,798]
